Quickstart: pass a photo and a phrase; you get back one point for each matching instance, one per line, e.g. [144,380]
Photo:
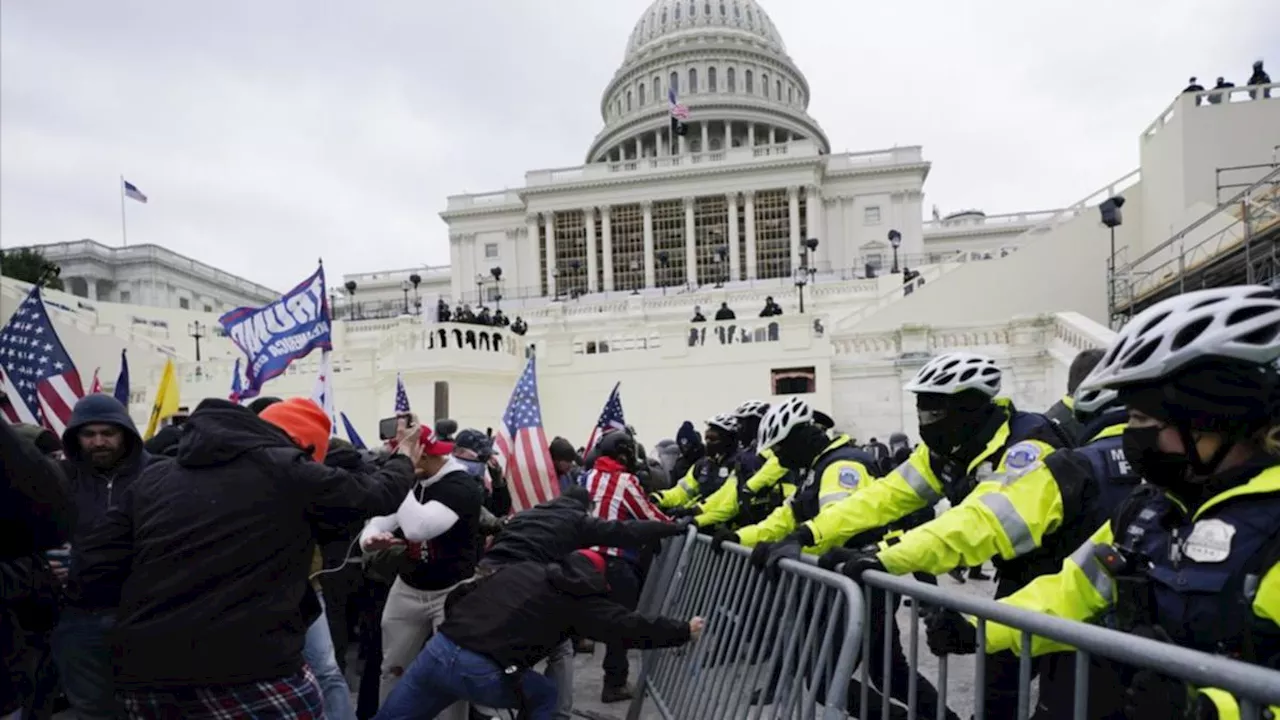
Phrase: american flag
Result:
[678,111]
[322,392]
[523,443]
[402,398]
[618,496]
[95,385]
[611,417]
[39,378]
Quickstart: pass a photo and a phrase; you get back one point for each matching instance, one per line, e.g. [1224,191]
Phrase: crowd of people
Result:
[1259,76]
[217,570]
[464,314]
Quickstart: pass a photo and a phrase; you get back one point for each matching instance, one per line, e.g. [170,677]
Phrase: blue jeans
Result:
[444,673]
[82,652]
[318,653]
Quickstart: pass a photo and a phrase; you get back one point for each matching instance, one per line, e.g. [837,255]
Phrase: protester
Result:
[105,455]
[35,517]
[435,530]
[567,463]
[211,550]
[505,623]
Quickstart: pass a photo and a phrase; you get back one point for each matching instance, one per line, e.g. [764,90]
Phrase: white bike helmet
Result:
[725,422]
[751,408]
[1230,323]
[781,420]
[1090,401]
[956,372]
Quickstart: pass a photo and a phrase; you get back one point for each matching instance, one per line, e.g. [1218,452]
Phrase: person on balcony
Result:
[1222,84]
[1193,86]
[771,308]
[500,320]
[1259,77]
[724,313]
[519,327]
[442,311]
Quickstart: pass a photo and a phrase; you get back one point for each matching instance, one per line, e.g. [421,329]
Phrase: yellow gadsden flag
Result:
[166,402]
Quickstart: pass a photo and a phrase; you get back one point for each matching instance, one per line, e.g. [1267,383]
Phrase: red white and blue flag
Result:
[678,111]
[132,192]
[41,383]
[237,385]
[402,397]
[611,417]
[523,444]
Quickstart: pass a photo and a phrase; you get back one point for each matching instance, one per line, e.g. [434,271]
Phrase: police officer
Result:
[706,475]
[987,458]
[1062,413]
[761,482]
[1197,373]
[831,468]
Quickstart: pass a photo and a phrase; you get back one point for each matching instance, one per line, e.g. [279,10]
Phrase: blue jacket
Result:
[94,491]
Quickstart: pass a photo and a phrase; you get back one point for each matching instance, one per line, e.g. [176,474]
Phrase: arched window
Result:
[751,21]
[731,81]
[711,80]
[693,8]
[722,8]
[664,16]
[706,9]
[641,94]
[791,93]
[764,83]
[619,112]
[657,89]
[677,13]
[778,94]
[675,82]
[750,85]
[737,12]
[693,80]
[628,101]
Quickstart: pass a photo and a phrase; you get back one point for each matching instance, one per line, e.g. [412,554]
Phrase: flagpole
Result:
[124,234]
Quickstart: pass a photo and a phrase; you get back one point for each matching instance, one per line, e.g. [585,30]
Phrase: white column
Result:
[706,137]
[690,244]
[639,148]
[750,211]
[684,146]
[529,278]
[551,254]
[751,134]
[735,266]
[728,136]
[793,198]
[649,275]
[589,217]
[813,213]
[773,137]
[456,270]
[606,237]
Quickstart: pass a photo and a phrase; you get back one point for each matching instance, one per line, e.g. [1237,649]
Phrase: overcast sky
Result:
[270,132]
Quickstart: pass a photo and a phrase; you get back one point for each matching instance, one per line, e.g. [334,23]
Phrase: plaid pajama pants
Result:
[292,698]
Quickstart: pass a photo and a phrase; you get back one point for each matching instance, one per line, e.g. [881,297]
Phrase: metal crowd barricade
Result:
[1254,686]
[781,647]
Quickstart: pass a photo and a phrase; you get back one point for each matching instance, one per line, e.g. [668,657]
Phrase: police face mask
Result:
[1164,469]
[719,445]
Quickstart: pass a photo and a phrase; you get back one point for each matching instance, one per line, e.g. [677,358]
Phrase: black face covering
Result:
[720,445]
[946,431]
[801,447]
[1164,469]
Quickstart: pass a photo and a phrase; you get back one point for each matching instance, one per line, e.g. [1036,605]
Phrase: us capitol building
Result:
[607,260]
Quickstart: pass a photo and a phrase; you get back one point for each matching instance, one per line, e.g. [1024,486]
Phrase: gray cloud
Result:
[267,134]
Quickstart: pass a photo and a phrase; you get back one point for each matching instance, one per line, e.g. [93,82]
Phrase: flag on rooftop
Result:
[611,418]
[132,192]
[40,382]
[678,111]
[523,443]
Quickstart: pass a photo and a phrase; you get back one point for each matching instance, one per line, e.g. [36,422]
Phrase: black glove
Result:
[831,558]
[949,633]
[721,537]
[688,512]
[1155,695]
[788,549]
[760,554]
[860,562]
[683,523]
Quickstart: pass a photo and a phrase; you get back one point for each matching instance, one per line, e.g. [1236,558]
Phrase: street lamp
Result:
[804,274]
[1112,218]
[197,331]
[404,287]
[895,239]
[352,308]
[496,272]
[416,279]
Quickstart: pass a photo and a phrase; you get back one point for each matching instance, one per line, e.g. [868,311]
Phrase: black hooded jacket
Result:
[518,614]
[209,552]
[548,532]
[93,491]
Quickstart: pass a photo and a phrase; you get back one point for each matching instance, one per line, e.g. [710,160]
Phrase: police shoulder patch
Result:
[724,472]
[849,477]
[1021,456]
[1209,541]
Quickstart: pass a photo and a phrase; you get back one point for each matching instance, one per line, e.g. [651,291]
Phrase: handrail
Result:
[1270,178]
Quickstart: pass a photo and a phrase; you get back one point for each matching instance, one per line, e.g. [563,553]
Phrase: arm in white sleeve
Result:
[421,522]
[379,524]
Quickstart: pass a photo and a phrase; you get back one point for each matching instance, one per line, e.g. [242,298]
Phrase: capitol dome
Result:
[728,65]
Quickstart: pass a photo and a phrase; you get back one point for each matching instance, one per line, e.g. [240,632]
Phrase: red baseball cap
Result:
[431,445]
[596,559]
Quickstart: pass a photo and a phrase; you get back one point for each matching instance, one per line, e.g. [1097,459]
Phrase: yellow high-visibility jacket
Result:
[1084,589]
[722,506]
[839,471]
[984,524]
